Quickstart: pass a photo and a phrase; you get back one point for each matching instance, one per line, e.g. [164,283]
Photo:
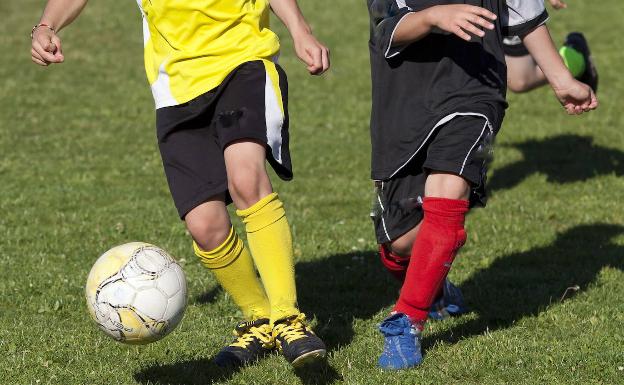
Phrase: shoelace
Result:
[292,329]
[246,332]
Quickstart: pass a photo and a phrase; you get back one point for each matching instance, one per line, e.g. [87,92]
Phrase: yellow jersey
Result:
[192,45]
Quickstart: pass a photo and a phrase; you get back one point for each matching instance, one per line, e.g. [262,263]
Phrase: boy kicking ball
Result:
[439,80]
[221,114]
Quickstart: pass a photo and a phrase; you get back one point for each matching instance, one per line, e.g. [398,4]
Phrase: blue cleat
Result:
[451,304]
[401,345]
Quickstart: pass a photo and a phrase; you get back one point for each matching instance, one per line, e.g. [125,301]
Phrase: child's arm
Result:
[575,96]
[46,45]
[314,54]
[459,19]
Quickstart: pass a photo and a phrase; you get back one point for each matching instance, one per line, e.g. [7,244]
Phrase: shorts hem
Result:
[200,198]
[454,168]
[282,171]
[397,229]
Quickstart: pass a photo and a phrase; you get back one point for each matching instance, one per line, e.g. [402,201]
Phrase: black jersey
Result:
[420,86]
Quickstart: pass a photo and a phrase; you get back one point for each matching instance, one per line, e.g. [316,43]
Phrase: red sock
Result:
[396,265]
[440,236]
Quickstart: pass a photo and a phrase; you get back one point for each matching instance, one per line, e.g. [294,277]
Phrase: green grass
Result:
[80,173]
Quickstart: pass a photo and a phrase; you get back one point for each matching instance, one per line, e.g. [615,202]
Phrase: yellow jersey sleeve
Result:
[192,45]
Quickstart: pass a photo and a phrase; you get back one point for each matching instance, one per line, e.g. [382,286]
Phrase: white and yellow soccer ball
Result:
[136,293]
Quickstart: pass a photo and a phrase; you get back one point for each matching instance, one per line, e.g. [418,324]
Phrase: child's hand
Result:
[314,54]
[558,4]
[461,19]
[576,97]
[46,47]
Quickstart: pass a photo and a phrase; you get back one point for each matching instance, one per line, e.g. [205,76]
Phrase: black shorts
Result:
[251,103]
[462,146]
[513,46]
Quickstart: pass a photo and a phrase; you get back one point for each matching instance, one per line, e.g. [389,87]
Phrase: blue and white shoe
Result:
[402,343]
[451,304]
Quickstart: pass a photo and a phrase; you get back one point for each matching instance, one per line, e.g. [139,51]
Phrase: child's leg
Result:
[395,255]
[268,232]
[223,252]
[440,237]
[523,74]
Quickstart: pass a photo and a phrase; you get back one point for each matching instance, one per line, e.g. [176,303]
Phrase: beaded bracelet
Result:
[32,31]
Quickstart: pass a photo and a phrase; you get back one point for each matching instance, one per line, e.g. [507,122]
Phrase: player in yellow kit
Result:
[221,113]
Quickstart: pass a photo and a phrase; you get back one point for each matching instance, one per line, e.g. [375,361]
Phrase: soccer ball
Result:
[136,293]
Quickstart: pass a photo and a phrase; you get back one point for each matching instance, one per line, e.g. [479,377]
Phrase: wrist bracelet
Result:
[32,31]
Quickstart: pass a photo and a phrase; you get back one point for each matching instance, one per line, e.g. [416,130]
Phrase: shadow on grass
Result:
[334,290]
[320,373]
[563,159]
[524,284]
[192,372]
[343,287]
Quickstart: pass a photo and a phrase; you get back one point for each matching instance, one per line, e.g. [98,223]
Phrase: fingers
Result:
[326,62]
[46,47]
[318,59]
[460,32]
[42,51]
[472,21]
[482,12]
[480,21]
[468,27]
[594,101]
[315,65]
[58,52]
[37,58]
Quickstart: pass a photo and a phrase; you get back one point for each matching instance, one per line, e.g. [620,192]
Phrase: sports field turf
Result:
[80,173]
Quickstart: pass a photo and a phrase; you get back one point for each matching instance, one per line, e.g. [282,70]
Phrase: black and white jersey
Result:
[422,85]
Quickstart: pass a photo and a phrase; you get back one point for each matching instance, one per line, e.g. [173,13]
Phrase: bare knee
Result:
[248,181]
[248,184]
[518,85]
[445,185]
[402,246]
[209,225]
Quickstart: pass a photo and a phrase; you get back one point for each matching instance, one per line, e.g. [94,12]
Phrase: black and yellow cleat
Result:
[297,341]
[253,341]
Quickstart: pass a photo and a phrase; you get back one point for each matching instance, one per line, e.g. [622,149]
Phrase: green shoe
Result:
[297,341]
[253,341]
[577,42]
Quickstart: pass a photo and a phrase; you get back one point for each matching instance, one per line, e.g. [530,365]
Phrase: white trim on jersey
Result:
[487,124]
[161,90]
[274,118]
[146,31]
[441,122]
[400,4]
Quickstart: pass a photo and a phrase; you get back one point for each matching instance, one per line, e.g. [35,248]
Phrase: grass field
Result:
[80,173]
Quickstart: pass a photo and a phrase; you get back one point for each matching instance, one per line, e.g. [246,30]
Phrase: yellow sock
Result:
[270,242]
[234,269]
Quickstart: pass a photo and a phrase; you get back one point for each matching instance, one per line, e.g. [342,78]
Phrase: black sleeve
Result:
[385,16]
[523,16]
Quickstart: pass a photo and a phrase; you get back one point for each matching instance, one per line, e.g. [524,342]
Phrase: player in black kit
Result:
[439,83]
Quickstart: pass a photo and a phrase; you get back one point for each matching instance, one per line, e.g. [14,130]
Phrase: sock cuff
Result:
[265,212]
[223,255]
[445,207]
[387,255]
[258,205]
